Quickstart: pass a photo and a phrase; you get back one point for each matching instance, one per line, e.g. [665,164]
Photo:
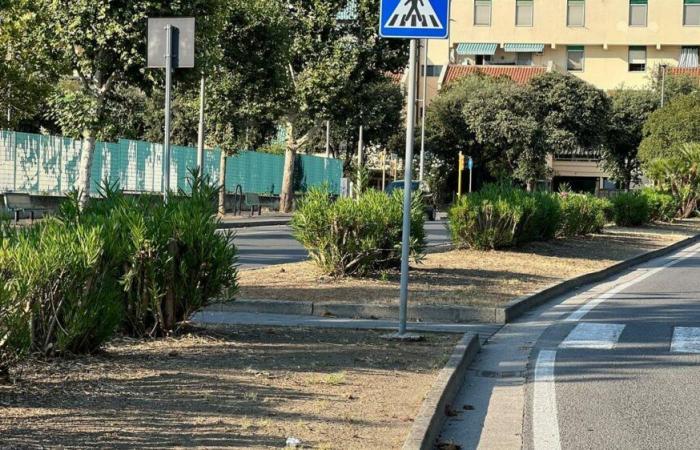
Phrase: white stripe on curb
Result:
[585,309]
[545,423]
[601,336]
[686,340]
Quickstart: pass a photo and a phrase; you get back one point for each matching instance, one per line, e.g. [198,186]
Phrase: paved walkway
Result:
[284,320]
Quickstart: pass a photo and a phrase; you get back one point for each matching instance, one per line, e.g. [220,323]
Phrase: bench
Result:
[17,203]
[252,201]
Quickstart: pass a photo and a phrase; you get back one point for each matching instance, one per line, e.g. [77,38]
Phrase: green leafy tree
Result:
[96,45]
[670,127]
[572,114]
[630,110]
[328,57]
[679,174]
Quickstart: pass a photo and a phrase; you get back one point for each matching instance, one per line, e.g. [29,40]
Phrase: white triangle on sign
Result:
[414,14]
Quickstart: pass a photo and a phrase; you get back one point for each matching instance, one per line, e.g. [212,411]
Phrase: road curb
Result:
[522,305]
[432,415]
[251,224]
[446,314]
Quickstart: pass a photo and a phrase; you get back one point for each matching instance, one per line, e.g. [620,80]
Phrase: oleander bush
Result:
[582,214]
[501,216]
[663,207]
[631,209]
[357,236]
[130,264]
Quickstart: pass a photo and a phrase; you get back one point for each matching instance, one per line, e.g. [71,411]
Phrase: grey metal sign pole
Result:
[168,86]
[200,138]
[407,182]
[424,103]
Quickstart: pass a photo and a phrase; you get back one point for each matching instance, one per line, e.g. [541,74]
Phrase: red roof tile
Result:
[519,74]
[395,77]
[692,71]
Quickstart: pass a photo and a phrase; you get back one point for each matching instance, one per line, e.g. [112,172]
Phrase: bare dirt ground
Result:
[252,388]
[469,277]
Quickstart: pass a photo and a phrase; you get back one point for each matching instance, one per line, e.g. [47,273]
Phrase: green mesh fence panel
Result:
[49,165]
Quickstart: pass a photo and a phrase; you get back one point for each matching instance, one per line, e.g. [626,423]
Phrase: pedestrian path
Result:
[219,318]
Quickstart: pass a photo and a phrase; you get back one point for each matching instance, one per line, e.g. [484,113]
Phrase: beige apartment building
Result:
[609,43]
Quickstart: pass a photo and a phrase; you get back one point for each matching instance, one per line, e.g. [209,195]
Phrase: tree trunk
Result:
[222,183]
[85,169]
[287,190]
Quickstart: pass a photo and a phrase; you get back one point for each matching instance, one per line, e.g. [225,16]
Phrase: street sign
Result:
[183,42]
[461,161]
[170,46]
[414,19]
[470,163]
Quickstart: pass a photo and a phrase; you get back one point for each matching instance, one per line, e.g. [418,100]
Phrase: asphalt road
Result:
[263,246]
[622,371]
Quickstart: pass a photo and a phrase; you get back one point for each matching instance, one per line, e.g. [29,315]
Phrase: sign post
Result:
[470,165]
[460,169]
[411,19]
[170,46]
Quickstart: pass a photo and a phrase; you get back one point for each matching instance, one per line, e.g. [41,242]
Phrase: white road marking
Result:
[585,309]
[602,336]
[686,340]
[545,423]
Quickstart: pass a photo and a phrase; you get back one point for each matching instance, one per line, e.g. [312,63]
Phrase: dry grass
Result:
[253,388]
[469,277]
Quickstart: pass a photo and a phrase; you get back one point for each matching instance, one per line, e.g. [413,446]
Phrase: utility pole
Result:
[421,169]
[328,139]
[200,140]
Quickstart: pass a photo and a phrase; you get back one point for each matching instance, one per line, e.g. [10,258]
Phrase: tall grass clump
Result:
[356,236]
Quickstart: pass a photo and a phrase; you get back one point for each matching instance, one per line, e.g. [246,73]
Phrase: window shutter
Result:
[576,13]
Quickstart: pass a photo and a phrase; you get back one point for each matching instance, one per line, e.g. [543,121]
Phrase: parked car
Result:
[428,197]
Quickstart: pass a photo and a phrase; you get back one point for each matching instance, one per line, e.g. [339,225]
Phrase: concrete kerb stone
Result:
[520,306]
[445,314]
[253,223]
[432,415]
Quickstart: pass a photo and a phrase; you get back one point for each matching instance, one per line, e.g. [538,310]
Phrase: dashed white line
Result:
[685,340]
[585,309]
[601,336]
[545,421]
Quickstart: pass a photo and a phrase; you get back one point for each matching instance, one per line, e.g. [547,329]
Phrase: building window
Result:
[575,58]
[637,59]
[638,13]
[482,12]
[482,60]
[433,71]
[524,10]
[576,13]
[690,57]
[691,13]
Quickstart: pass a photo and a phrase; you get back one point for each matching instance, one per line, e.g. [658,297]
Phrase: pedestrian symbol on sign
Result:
[414,19]
[414,14]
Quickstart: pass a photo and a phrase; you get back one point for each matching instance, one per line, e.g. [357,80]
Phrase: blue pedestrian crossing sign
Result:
[414,19]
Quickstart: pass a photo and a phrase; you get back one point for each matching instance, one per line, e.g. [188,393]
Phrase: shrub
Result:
[630,209]
[662,206]
[169,257]
[68,283]
[354,237]
[501,216]
[59,293]
[581,214]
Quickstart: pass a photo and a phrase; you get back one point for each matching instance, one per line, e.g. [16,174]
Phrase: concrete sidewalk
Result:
[223,318]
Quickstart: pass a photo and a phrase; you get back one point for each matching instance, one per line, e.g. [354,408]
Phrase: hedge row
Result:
[129,264]
[501,216]
[632,209]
